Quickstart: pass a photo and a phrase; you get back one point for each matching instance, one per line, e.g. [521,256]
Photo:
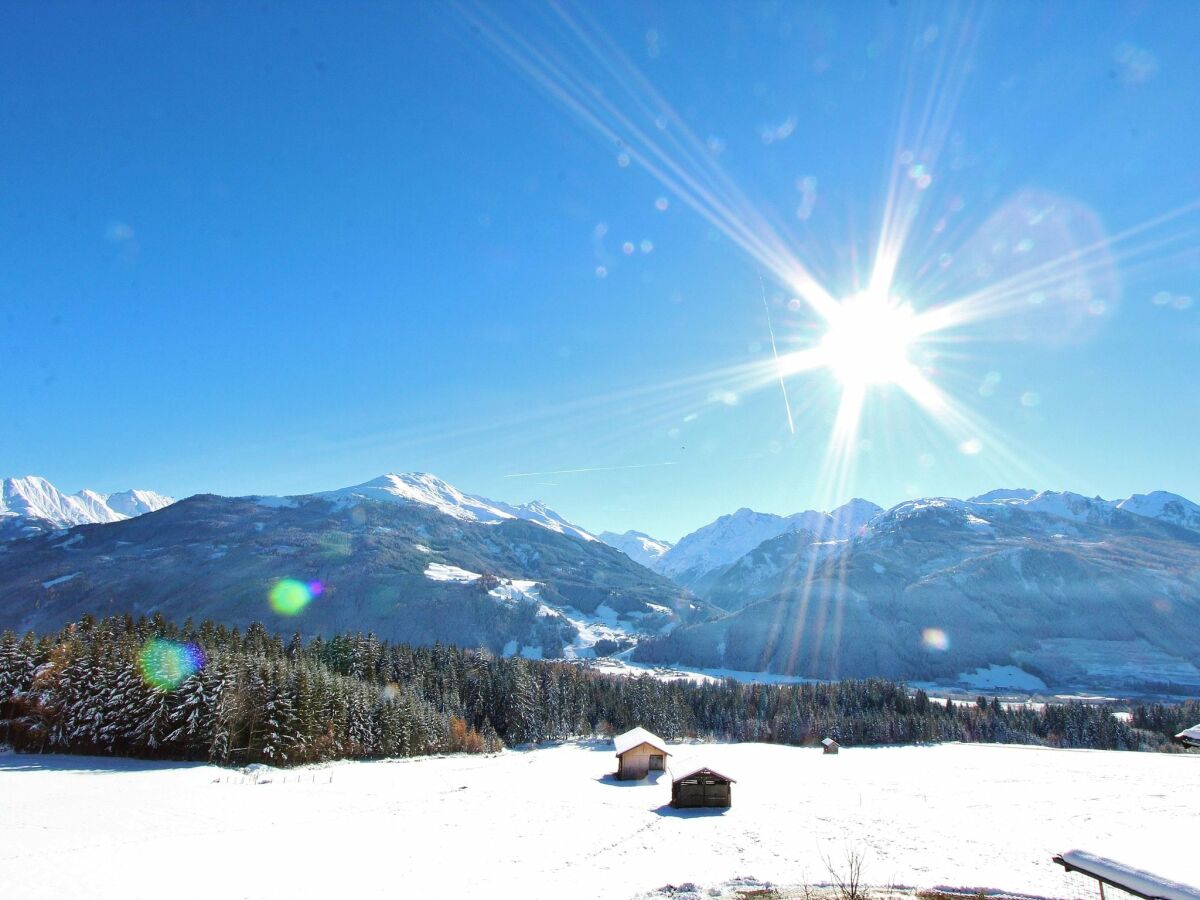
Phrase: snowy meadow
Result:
[551,822]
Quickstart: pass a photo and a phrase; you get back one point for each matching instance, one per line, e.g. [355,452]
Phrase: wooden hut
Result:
[638,753]
[701,788]
[1189,737]
[830,745]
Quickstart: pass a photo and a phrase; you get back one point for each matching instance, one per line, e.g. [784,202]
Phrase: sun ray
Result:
[704,186]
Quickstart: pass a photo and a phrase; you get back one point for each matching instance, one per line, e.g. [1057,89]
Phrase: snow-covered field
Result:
[549,823]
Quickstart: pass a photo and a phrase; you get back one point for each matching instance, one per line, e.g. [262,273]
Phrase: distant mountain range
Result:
[1013,588]
[32,505]
[716,545]
[409,557]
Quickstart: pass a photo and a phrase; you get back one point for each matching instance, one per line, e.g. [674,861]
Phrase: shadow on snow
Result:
[610,779]
[53,762]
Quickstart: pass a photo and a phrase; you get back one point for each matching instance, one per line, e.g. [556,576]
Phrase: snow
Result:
[636,737]
[1166,506]
[620,664]
[637,545]
[552,823]
[604,624]
[1004,494]
[60,580]
[513,590]
[277,502]
[1190,734]
[1127,876]
[1160,505]
[723,541]
[425,489]
[996,677]
[443,572]
[733,536]
[135,503]
[33,497]
[1113,663]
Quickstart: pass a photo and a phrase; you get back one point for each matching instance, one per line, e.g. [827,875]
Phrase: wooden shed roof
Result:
[704,770]
[828,742]
[635,738]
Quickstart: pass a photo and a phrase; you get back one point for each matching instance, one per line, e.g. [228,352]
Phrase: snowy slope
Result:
[705,555]
[547,823]
[135,502]
[1081,593]
[1159,505]
[411,560]
[1004,494]
[1165,507]
[425,489]
[638,546]
[732,536]
[32,505]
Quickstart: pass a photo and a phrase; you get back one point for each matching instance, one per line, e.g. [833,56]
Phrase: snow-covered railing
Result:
[1126,878]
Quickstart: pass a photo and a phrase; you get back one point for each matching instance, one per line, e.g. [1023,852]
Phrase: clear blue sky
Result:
[276,248]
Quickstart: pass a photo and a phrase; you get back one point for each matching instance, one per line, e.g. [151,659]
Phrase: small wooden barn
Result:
[1189,737]
[830,745]
[638,753]
[702,787]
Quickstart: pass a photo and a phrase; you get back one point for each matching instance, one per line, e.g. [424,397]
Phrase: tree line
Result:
[149,688]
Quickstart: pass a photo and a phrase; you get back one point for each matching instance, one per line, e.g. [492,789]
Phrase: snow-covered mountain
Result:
[32,505]
[1041,587]
[424,489]
[1165,507]
[638,546]
[409,557]
[732,536]
[1159,505]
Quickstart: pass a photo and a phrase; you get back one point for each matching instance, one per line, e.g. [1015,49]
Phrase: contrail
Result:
[591,469]
[774,352]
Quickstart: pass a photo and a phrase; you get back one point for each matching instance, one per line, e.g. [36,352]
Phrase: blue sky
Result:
[293,247]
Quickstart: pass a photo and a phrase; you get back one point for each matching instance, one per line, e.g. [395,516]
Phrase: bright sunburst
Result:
[868,340]
[927,278]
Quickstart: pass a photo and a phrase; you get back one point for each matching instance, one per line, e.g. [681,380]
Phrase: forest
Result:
[150,688]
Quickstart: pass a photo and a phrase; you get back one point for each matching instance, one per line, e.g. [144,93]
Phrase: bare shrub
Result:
[846,878]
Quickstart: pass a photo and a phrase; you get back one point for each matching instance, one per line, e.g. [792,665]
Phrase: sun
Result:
[868,339]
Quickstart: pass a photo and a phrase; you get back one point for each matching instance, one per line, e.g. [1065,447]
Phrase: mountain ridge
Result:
[31,505]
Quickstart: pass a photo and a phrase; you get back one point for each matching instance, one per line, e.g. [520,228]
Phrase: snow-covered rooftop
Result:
[1191,735]
[636,737]
[689,771]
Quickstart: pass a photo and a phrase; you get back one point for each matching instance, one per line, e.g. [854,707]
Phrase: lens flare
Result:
[167,664]
[289,597]
[935,639]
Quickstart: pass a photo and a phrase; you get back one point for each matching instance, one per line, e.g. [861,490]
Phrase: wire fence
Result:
[275,778]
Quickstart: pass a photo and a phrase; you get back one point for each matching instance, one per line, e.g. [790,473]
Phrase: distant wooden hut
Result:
[702,787]
[830,745]
[1189,737]
[638,753]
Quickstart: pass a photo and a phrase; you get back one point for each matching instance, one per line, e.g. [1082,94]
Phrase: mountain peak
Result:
[427,489]
[1004,494]
[637,545]
[31,504]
